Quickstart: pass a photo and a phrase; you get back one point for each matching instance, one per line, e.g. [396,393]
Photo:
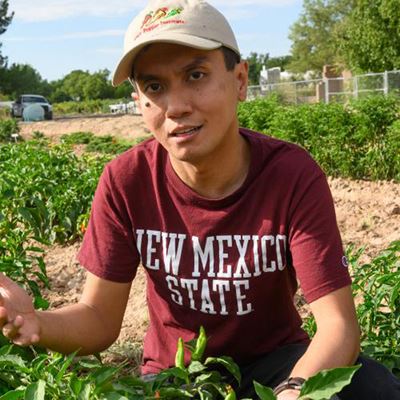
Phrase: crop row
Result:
[359,140]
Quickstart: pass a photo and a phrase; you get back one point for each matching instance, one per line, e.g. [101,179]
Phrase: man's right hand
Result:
[18,319]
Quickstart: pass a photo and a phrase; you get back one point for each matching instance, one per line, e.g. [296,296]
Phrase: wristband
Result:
[290,383]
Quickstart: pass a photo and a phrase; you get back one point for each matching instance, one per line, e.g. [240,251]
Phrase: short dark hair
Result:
[231,58]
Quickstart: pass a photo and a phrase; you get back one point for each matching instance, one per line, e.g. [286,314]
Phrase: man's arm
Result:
[337,340]
[91,325]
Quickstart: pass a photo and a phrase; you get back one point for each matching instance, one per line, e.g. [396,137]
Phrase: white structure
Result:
[269,76]
[125,108]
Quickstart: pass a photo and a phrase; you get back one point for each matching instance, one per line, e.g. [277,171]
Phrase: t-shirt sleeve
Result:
[314,238]
[108,249]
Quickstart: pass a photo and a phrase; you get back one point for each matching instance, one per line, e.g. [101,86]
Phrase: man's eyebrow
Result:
[144,77]
[196,62]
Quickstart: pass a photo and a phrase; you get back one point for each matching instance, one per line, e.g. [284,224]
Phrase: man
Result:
[224,221]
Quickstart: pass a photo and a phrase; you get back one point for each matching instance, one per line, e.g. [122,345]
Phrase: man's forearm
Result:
[336,346]
[74,327]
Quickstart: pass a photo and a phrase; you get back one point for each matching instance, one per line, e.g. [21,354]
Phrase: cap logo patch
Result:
[161,16]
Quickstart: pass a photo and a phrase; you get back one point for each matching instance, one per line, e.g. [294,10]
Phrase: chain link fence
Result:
[330,89]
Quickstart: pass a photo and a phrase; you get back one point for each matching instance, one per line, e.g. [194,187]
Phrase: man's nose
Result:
[179,103]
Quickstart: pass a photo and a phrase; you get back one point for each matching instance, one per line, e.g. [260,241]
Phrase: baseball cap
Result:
[192,23]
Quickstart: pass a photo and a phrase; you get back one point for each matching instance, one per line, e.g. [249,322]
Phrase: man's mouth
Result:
[185,131]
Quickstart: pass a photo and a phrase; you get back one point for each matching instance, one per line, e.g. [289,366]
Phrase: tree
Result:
[22,78]
[73,83]
[314,34]
[123,91]
[256,62]
[5,20]
[97,86]
[82,85]
[281,62]
[369,38]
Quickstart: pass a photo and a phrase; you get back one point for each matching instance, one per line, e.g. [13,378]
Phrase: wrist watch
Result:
[291,383]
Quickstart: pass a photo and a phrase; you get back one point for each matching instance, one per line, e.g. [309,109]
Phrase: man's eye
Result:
[196,75]
[153,88]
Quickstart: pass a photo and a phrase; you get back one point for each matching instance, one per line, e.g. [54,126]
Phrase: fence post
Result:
[385,83]
[356,87]
[326,81]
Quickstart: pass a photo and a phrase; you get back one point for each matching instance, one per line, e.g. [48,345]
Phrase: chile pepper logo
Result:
[159,15]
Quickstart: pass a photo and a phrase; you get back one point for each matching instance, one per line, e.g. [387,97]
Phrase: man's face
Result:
[189,99]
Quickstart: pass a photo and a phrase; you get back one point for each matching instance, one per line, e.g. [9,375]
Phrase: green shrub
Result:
[86,106]
[77,138]
[108,145]
[7,128]
[37,135]
[359,140]
[258,114]
[47,188]
[378,284]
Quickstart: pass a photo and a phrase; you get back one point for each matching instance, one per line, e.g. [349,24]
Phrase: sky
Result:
[59,36]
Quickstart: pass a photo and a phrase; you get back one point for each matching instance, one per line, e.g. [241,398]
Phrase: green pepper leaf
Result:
[326,383]
[16,394]
[14,361]
[228,363]
[36,391]
[174,393]
[196,366]
[264,392]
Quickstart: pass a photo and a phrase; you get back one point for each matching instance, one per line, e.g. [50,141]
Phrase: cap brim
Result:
[124,67]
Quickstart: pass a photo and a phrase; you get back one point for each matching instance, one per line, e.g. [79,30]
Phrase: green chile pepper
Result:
[231,393]
[180,355]
[201,344]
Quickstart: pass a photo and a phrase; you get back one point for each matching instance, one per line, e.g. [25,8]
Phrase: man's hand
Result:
[18,319]
[289,394]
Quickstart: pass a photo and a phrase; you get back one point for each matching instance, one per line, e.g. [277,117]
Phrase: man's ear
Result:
[242,78]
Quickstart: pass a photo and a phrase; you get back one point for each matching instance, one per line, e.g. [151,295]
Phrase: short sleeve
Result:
[108,249]
[315,243]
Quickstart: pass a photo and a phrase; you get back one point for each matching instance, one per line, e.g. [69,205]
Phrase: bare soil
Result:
[368,214]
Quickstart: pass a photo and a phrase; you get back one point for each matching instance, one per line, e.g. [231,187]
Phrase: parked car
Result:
[25,100]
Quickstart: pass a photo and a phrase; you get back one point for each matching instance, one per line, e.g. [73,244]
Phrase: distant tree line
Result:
[17,79]
[77,85]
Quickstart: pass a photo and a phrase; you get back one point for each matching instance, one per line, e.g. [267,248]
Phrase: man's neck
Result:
[219,176]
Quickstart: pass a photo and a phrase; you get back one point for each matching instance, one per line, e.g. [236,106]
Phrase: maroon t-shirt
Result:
[231,264]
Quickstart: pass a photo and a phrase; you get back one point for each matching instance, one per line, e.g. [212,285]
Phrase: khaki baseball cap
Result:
[192,23]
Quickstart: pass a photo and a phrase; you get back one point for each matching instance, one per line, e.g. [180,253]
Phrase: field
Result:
[46,187]
[368,214]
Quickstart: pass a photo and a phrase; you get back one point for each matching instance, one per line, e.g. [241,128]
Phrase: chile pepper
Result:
[231,395]
[180,355]
[201,344]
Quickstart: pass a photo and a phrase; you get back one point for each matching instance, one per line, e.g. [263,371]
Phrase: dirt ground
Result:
[368,214]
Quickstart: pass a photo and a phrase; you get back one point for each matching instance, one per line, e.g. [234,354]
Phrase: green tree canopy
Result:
[82,85]
[369,38]
[282,62]
[5,20]
[256,62]
[23,78]
[313,35]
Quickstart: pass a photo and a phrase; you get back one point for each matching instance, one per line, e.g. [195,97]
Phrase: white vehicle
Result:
[25,100]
